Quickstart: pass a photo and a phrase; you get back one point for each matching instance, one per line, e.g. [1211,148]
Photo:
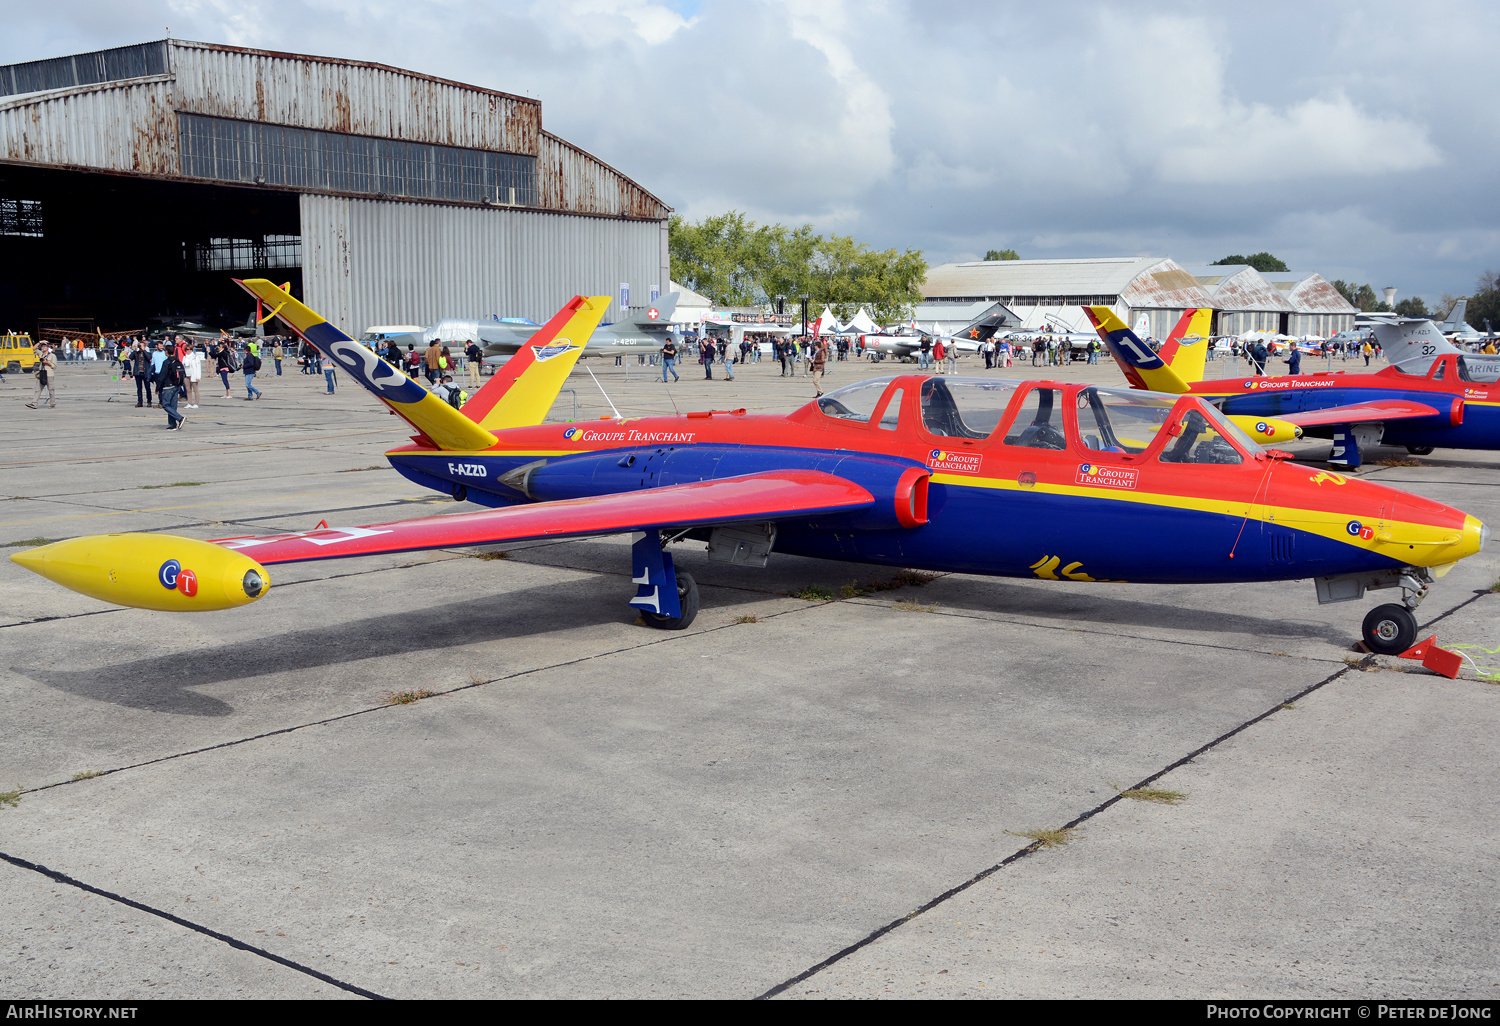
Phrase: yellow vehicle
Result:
[16,353]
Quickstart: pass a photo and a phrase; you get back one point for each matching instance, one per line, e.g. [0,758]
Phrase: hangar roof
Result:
[1309,292]
[1141,282]
[1238,287]
[313,124]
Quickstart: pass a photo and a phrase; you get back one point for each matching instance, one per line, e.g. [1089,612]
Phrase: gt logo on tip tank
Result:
[174,578]
[1358,530]
[1101,476]
[955,462]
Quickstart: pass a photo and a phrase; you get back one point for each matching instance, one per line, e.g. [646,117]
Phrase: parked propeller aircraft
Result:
[1096,484]
[643,330]
[1443,407]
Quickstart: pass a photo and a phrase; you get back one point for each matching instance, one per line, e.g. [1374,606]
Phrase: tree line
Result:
[735,262]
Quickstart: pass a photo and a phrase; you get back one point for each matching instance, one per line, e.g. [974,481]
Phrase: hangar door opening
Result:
[119,253]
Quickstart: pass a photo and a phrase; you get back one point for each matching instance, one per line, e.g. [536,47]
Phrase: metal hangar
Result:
[135,181]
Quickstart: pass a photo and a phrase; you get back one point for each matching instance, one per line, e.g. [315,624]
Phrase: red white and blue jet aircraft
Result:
[1090,483]
[1423,406]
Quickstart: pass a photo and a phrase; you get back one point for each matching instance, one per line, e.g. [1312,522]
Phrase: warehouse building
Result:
[135,182]
[1242,299]
[1317,308]
[1050,292]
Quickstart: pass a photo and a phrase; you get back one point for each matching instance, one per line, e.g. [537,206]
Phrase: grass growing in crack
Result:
[10,798]
[1159,795]
[814,593]
[26,543]
[1288,705]
[1495,588]
[357,470]
[1400,461]
[491,555]
[405,697]
[904,579]
[1048,838]
[747,619]
[86,774]
[913,606]
[176,484]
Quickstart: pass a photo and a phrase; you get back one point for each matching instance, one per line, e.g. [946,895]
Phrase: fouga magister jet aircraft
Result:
[1094,484]
[1442,406]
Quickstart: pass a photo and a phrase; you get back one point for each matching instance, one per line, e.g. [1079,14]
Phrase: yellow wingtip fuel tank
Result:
[1267,430]
[150,571]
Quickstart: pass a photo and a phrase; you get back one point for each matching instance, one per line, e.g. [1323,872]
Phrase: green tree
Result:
[1260,261]
[1413,307]
[1362,297]
[1484,304]
[735,262]
[1002,254]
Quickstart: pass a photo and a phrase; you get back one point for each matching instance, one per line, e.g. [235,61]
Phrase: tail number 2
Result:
[467,470]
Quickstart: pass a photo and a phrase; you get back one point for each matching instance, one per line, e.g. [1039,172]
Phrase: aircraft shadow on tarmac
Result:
[164,683]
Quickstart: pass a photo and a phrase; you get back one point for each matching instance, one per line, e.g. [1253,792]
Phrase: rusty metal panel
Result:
[572,180]
[1314,295]
[1164,286]
[352,97]
[416,263]
[125,127]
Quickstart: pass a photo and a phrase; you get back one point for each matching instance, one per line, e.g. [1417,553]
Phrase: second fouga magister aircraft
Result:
[1038,479]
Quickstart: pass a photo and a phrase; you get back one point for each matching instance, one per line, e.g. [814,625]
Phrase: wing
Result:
[772,495]
[1380,410]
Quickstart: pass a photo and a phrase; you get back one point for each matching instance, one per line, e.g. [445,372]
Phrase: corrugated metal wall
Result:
[128,127]
[570,179]
[378,262]
[342,96]
[325,258]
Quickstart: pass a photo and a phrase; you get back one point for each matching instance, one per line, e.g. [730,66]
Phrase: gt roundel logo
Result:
[1354,527]
[570,433]
[653,313]
[187,583]
[1249,384]
[1260,426]
[167,575]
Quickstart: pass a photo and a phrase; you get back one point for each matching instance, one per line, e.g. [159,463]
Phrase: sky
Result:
[1359,140]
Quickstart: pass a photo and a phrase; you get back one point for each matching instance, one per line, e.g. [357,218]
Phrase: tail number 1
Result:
[467,470]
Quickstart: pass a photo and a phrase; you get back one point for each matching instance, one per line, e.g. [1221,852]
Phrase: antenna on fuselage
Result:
[618,414]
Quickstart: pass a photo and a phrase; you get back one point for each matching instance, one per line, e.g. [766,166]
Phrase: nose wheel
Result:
[1390,629]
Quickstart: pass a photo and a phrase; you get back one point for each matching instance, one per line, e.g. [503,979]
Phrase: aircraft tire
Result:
[687,598]
[1419,450]
[1390,629]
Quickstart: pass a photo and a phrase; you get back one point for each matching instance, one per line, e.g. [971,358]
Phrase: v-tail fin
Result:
[1141,367]
[446,427]
[520,392]
[1186,348]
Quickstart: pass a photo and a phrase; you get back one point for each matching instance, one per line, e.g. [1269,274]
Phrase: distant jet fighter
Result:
[644,330]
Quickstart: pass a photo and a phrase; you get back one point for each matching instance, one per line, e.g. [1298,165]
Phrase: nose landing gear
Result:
[1391,629]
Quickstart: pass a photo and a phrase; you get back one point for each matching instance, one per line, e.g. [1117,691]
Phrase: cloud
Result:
[601,22]
[1354,137]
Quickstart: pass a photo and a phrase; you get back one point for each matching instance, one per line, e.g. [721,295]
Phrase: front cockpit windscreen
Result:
[853,402]
[964,407]
[1120,420]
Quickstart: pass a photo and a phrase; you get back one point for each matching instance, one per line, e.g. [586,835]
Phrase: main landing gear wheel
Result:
[687,597]
[1390,629]
[1419,450]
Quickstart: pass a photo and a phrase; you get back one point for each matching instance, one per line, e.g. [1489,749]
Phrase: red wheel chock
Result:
[1438,660]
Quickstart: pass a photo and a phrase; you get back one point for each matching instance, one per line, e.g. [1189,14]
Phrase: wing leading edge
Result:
[774,495]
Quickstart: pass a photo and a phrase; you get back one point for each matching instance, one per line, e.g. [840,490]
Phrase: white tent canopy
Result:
[862,323]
